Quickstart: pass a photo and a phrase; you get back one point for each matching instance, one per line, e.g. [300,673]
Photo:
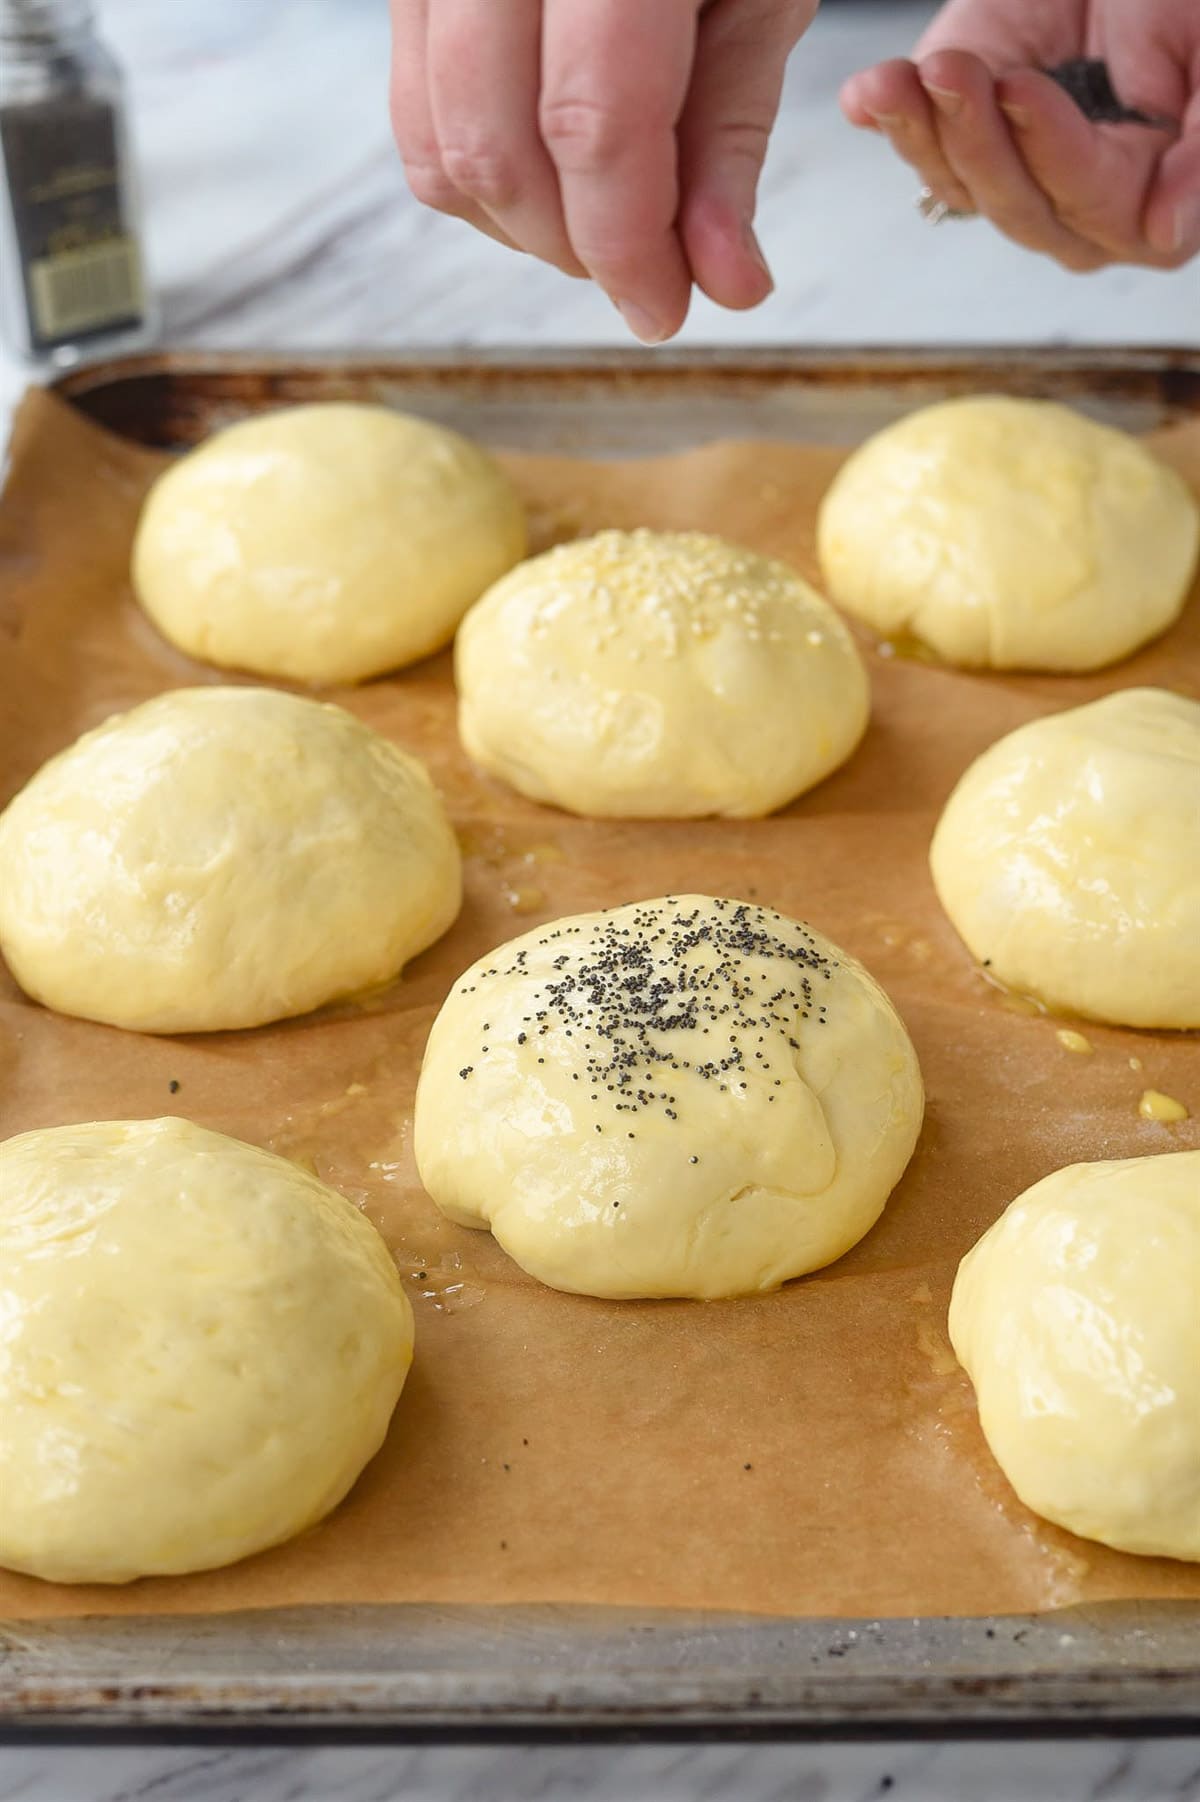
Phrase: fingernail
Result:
[1170,232]
[642,324]
[889,121]
[1187,221]
[945,99]
[754,249]
[1018,114]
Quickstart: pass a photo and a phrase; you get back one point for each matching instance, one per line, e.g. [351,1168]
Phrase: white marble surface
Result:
[277,217]
[1051,1771]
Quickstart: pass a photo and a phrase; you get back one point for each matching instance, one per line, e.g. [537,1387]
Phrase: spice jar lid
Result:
[30,24]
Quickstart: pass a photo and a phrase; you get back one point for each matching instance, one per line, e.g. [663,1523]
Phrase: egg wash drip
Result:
[625,987]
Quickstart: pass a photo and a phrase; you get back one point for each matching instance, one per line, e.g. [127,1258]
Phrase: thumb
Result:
[737,77]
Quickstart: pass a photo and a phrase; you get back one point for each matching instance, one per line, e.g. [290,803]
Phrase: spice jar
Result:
[71,277]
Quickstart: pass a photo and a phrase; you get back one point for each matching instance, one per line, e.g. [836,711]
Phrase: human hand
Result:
[988,133]
[617,139]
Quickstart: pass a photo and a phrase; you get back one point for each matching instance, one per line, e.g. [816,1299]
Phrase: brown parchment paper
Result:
[813,1452]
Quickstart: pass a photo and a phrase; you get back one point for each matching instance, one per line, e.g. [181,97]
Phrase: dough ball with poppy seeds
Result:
[688,1096]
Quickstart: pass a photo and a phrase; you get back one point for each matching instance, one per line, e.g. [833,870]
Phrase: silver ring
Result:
[935,210]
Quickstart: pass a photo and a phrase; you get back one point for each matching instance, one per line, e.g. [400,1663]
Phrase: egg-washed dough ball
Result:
[658,674]
[203,1345]
[1068,859]
[1076,1319]
[1012,534]
[324,543]
[686,1096]
[221,857]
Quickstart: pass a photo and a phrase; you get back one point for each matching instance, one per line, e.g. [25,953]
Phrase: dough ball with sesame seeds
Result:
[663,675]
[681,1097]
[1010,534]
[324,543]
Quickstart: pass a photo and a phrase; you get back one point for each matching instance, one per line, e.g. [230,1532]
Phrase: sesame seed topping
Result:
[645,594]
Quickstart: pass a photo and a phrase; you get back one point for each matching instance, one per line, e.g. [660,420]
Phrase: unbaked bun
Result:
[1077,1318]
[1014,534]
[324,543]
[679,1097]
[221,857]
[658,674]
[1068,858]
[203,1346]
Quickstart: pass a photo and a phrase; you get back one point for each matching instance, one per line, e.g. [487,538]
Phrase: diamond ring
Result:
[935,210]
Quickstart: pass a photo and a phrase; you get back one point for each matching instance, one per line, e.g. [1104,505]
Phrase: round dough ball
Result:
[658,675]
[220,857]
[684,1096]
[1068,858]
[1012,534]
[1076,1318]
[203,1346]
[325,543]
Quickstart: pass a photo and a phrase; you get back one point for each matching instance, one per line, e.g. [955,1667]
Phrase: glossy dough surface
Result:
[203,1346]
[221,857]
[324,543]
[1068,857]
[686,1096]
[1077,1319]
[658,675]
[1014,534]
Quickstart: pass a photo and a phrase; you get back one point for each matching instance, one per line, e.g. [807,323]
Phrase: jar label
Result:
[80,264]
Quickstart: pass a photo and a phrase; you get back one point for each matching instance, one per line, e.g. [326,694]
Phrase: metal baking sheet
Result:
[605,403]
[396,1671]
